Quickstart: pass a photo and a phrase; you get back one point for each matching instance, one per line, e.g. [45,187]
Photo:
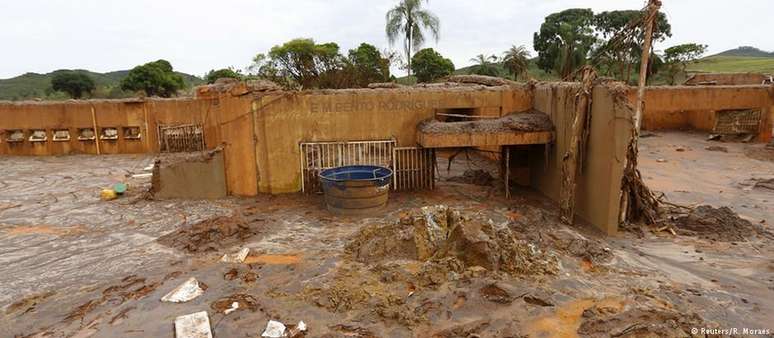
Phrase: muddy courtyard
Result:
[459,261]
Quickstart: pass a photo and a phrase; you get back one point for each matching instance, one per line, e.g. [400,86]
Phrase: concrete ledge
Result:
[481,139]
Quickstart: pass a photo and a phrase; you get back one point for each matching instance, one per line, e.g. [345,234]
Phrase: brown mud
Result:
[460,261]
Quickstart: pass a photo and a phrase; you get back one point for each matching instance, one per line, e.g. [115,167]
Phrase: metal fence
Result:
[181,138]
[318,156]
[414,169]
[734,122]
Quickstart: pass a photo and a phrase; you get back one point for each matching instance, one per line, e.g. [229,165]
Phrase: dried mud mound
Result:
[209,235]
[519,122]
[718,224]
[442,234]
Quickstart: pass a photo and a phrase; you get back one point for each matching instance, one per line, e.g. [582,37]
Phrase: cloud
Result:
[196,36]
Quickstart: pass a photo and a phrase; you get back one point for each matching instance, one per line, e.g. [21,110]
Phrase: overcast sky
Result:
[196,36]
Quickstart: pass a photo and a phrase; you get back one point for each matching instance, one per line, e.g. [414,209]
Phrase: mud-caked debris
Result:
[718,224]
[433,233]
[245,301]
[475,177]
[28,304]
[210,235]
[496,294]
[637,322]
[593,251]
[469,329]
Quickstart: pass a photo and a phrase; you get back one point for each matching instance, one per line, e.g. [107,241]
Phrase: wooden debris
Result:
[573,158]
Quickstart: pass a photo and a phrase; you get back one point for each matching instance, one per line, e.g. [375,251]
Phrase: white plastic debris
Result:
[301,326]
[234,307]
[184,292]
[146,175]
[195,325]
[274,329]
[238,257]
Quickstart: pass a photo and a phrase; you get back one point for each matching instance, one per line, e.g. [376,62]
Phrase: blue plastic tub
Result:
[357,189]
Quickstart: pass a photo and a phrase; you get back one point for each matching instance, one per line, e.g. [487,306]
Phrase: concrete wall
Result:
[727,79]
[226,120]
[694,107]
[599,186]
[282,121]
[191,176]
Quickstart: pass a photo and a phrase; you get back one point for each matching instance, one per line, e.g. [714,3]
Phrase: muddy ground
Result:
[460,261]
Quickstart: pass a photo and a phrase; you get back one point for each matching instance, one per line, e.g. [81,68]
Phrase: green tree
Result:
[485,65]
[154,78]
[564,41]
[428,65]
[678,57]
[367,65]
[516,61]
[214,75]
[73,83]
[303,63]
[621,56]
[407,20]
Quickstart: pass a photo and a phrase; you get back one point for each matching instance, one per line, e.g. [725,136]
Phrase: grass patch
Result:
[733,64]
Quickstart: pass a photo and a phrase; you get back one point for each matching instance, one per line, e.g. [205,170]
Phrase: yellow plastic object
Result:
[108,194]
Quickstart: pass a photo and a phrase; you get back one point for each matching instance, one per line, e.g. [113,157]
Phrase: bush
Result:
[214,75]
[73,83]
[154,78]
[428,65]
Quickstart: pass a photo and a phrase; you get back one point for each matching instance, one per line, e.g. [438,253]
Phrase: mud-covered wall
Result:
[599,185]
[694,107]
[199,176]
[727,79]
[226,120]
[285,120]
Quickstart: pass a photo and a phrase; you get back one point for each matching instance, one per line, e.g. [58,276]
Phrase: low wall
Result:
[727,79]
[598,192]
[226,120]
[694,107]
[190,176]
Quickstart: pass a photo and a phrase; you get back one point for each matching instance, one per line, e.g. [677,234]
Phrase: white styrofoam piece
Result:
[195,325]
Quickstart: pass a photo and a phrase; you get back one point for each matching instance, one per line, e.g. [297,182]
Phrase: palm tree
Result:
[408,20]
[516,61]
[485,65]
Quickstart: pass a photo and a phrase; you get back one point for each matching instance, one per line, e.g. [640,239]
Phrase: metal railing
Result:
[414,169]
[318,156]
[181,138]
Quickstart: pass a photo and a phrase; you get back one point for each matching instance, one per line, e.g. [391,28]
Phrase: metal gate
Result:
[734,122]
[318,156]
[181,138]
[414,169]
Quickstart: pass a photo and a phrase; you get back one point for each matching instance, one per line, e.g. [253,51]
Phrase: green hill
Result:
[746,51]
[34,85]
[733,64]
